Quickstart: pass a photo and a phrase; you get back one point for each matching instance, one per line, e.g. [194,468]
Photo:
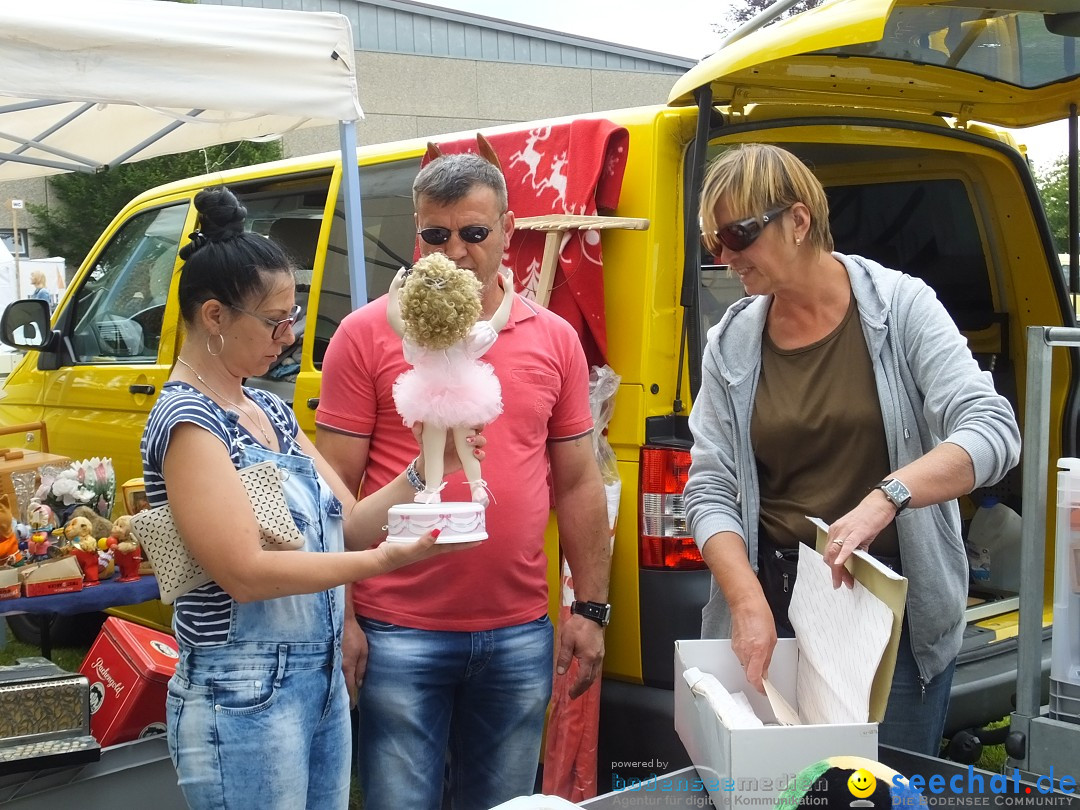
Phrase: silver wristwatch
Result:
[898,495]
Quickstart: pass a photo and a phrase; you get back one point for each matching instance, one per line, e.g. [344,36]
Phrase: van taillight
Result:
[665,538]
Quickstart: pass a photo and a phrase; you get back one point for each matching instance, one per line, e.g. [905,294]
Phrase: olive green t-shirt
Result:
[817,435]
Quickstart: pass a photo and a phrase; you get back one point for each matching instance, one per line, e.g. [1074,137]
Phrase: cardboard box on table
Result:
[53,576]
[10,586]
[128,667]
[755,765]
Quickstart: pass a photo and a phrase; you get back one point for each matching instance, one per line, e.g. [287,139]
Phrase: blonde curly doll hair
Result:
[439,302]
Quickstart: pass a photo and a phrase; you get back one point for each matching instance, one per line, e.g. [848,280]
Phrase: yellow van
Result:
[891,102]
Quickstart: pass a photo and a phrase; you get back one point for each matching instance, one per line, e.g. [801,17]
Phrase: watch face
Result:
[896,492]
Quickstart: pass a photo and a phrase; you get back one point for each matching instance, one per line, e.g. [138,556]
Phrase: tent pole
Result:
[354,223]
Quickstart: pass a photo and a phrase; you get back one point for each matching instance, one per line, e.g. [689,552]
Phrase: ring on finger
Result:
[838,542]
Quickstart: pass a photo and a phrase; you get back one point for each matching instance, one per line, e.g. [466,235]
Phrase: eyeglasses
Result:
[473,234]
[277,328]
[741,234]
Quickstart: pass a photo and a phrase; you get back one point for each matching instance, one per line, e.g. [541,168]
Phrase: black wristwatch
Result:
[596,611]
[898,495]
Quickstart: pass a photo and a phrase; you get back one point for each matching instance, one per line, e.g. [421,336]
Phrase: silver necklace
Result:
[241,408]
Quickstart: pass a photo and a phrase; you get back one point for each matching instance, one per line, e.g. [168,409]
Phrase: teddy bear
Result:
[80,533]
[100,526]
[127,551]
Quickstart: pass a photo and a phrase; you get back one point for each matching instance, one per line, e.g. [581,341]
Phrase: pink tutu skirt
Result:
[469,396]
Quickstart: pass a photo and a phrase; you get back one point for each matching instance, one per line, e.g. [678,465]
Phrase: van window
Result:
[927,229]
[1019,48]
[289,210]
[118,311]
[389,243]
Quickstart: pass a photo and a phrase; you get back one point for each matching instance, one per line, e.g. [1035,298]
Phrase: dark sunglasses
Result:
[473,234]
[741,234]
[277,328]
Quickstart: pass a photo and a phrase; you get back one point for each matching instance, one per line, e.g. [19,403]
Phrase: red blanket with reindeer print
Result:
[571,168]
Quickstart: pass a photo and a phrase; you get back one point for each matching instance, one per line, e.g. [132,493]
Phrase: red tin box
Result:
[128,667]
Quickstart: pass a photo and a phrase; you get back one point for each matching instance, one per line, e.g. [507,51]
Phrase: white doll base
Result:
[460,522]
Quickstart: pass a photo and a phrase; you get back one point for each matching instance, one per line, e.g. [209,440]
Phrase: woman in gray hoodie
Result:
[843,390]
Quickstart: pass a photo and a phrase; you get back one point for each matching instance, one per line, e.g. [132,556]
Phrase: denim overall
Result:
[263,719]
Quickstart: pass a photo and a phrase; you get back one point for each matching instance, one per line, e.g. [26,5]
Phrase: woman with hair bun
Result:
[257,711]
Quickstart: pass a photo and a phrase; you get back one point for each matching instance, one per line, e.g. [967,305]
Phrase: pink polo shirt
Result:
[545,390]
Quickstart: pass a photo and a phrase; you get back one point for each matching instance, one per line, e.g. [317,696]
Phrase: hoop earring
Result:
[221,348]
[798,241]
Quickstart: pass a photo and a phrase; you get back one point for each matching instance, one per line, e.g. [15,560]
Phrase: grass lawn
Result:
[68,659]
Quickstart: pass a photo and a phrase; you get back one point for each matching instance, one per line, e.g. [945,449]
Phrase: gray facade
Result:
[427,71]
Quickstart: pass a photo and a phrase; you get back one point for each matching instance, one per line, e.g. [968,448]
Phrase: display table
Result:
[109,593]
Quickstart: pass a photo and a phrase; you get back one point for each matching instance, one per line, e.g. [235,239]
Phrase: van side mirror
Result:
[25,325]
[1064,24]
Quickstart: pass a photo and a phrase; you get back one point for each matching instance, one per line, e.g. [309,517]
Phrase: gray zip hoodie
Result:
[931,390]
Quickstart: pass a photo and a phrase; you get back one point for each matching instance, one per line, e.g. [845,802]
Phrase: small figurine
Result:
[40,516]
[80,533]
[128,560]
[435,308]
[38,545]
[127,551]
[101,526]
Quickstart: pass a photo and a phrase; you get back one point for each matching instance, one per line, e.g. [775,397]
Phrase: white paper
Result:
[842,634]
[733,710]
[785,714]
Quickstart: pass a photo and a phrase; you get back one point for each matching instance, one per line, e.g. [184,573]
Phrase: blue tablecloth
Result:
[109,593]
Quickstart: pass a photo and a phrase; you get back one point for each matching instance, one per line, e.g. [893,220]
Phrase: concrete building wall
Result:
[410,96]
[405,96]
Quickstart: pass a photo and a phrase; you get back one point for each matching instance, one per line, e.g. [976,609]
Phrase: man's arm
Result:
[346,453]
[348,456]
[581,511]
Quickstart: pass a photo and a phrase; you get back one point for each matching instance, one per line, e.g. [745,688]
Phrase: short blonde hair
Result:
[754,178]
[37,277]
[439,302]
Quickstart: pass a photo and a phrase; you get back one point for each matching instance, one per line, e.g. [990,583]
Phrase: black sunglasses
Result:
[473,234]
[741,234]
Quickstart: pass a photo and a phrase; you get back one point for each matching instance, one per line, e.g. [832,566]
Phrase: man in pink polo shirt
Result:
[458,650]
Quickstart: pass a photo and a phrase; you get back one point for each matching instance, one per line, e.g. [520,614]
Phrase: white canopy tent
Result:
[88,85]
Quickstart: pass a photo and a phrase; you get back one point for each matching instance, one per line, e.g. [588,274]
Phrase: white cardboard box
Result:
[753,766]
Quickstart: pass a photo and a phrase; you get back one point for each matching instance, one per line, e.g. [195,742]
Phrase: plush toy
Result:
[435,309]
[9,541]
[128,560]
[86,552]
[849,782]
[100,526]
[80,533]
[127,551]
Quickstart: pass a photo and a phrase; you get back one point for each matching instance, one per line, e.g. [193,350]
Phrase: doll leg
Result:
[433,439]
[471,466]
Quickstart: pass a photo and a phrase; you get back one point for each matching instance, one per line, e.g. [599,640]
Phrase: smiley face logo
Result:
[861,783]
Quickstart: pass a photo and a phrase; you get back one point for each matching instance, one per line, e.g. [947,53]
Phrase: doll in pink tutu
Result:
[435,308]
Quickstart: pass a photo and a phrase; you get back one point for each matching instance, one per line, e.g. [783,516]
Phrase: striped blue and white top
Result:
[201,617]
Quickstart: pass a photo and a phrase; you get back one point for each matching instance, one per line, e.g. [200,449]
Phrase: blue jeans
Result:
[262,719]
[255,728]
[478,698]
[915,717]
